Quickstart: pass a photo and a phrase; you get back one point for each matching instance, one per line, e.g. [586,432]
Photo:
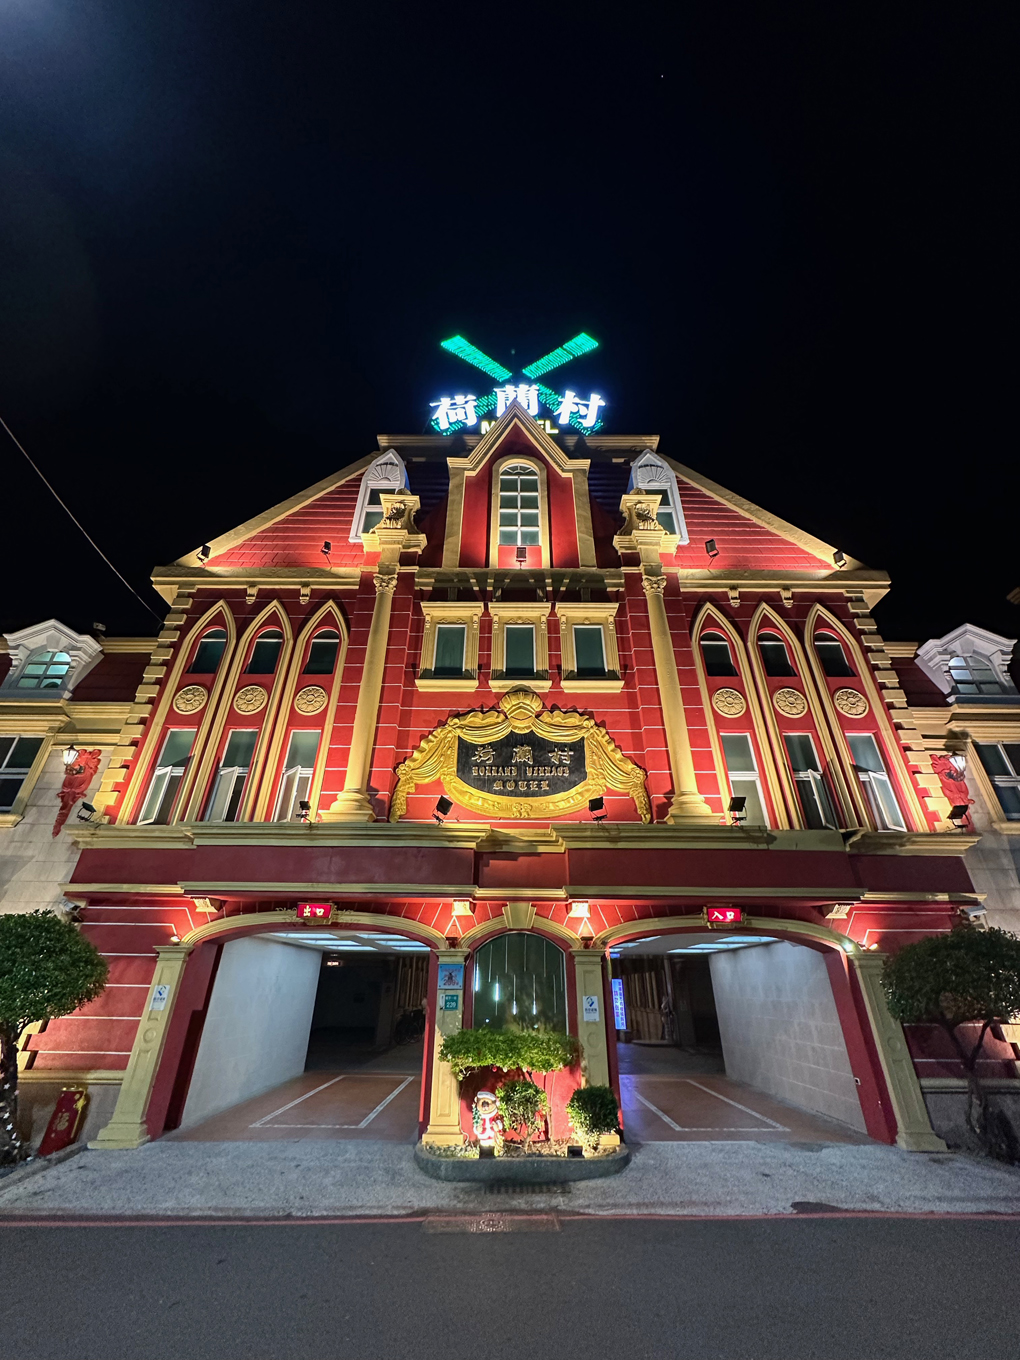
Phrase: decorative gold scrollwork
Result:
[520,711]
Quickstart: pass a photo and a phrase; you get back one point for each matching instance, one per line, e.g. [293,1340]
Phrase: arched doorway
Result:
[733,1035]
[308,1033]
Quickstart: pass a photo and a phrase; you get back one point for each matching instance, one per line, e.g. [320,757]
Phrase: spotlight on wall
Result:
[579,909]
[86,812]
[175,938]
[442,809]
[597,808]
[839,558]
[304,808]
[958,815]
[70,755]
[737,810]
[976,916]
[463,908]
[522,554]
[203,554]
[326,549]
[99,628]
[711,547]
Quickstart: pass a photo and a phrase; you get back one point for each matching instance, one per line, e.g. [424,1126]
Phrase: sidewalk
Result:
[312,1179]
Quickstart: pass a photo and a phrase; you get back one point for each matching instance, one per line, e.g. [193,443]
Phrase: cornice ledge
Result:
[659,836]
[911,843]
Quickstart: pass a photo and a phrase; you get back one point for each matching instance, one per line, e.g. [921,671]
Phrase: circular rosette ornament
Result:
[729,702]
[790,702]
[850,703]
[310,700]
[251,699]
[190,699]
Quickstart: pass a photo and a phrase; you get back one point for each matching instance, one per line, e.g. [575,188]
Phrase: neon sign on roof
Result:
[467,410]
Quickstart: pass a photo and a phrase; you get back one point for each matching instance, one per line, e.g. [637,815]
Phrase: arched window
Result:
[974,675]
[266,653]
[520,980]
[45,670]
[387,473]
[831,655]
[518,506]
[322,653]
[209,652]
[774,656]
[716,651]
[652,473]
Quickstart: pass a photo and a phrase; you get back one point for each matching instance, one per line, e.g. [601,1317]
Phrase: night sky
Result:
[233,235]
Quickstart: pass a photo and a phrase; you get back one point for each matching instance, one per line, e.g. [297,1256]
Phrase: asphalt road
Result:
[805,1288]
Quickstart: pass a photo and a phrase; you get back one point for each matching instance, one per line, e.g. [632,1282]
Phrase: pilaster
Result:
[444,1110]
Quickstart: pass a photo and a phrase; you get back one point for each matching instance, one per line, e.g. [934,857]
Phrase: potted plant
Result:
[593,1111]
[523,1107]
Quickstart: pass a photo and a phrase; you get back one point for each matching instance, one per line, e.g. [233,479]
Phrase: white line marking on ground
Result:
[284,1108]
[655,1109]
[381,1106]
[780,1128]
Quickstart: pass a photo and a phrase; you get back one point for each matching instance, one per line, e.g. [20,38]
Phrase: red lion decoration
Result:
[954,786]
[76,784]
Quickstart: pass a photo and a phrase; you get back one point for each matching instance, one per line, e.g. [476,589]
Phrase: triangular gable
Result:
[515,419]
[286,533]
[748,537]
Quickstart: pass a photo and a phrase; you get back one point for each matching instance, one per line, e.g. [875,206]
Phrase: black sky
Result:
[232,236]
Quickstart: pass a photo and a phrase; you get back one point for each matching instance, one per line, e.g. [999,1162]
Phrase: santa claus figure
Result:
[486,1121]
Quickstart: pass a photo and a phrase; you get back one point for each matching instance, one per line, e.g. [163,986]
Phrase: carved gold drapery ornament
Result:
[521,711]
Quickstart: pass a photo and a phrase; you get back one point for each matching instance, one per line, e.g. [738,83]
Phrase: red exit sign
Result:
[315,911]
[724,916]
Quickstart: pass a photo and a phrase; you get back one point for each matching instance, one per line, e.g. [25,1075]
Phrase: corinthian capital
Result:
[387,583]
[652,585]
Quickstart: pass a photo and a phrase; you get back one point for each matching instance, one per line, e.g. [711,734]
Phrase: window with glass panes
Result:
[519,649]
[589,650]
[815,802]
[297,775]
[974,675]
[716,651]
[831,655]
[1001,761]
[322,653]
[17,755]
[231,777]
[742,769]
[875,780]
[209,652]
[166,777]
[451,640]
[775,658]
[266,653]
[45,670]
[518,506]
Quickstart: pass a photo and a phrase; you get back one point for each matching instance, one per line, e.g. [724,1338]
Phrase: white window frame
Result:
[21,772]
[738,778]
[998,781]
[878,787]
[386,473]
[296,780]
[815,781]
[230,781]
[160,778]
[653,474]
[519,470]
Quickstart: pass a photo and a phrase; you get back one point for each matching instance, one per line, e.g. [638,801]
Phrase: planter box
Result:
[521,1170]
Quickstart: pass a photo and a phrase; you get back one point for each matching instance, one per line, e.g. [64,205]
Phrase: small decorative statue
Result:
[486,1122]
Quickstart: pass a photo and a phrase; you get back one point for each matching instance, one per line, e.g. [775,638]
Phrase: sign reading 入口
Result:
[723,916]
[526,766]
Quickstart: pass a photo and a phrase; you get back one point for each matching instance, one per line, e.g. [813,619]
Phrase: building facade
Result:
[520,698]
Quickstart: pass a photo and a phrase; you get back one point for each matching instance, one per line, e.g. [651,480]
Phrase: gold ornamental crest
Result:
[521,761]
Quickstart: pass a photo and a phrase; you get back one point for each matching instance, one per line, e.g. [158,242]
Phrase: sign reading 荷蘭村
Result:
[526,766]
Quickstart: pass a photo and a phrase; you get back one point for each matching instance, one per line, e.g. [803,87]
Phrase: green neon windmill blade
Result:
[470,354]
[572,349]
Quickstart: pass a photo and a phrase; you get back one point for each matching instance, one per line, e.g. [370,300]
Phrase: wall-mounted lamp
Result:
[326,549]
[203,554]
[463,908]
[579,909]
[86,812]
[70,756]
[442,809]
[304,809]
[839,558]
[597,808]
[522,554]
[737,810]
[99,628]
[711,547]
[175,939]
[958,815]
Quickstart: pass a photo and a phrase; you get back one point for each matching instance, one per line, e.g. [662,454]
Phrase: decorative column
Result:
[592,1021]
[392,537]
[914,1132]
[643,534]
[444,1108]
[127,1128]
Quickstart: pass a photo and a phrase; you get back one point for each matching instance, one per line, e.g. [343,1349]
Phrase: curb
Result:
[531,1171]
[39,1164]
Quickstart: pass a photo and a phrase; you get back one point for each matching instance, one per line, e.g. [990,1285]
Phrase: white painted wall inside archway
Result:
[780,1029]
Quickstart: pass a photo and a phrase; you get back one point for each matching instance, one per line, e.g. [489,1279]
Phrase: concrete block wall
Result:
[780,1030]
[256,1030]
[33,862]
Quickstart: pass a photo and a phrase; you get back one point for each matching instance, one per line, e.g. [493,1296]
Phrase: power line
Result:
[78,523]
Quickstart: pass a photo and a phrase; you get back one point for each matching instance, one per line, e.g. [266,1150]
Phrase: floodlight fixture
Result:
[580,909]
[203,554]
[86,812]
[958,814]
[522,554]
[99,628]
[304,809]
[839,558]
[442,809]
[711,547]
[326,549]
[737,809]
[70,756]
[597,808]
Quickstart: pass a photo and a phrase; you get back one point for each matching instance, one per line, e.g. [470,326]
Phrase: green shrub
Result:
[593,1111]
[523,1107]
[509,1050]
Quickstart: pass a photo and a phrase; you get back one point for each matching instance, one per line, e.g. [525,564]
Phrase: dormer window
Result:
[974,675]
[970,665]
[519,506]
[653,474]
[45,670]
[386,474]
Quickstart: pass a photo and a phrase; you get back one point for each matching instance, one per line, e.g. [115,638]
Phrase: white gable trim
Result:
[652,473]
[387,472]
[934,656]
[51,636]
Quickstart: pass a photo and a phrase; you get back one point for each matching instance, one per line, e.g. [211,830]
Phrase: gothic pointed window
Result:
[832,656]
[774,655]
[716,651]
